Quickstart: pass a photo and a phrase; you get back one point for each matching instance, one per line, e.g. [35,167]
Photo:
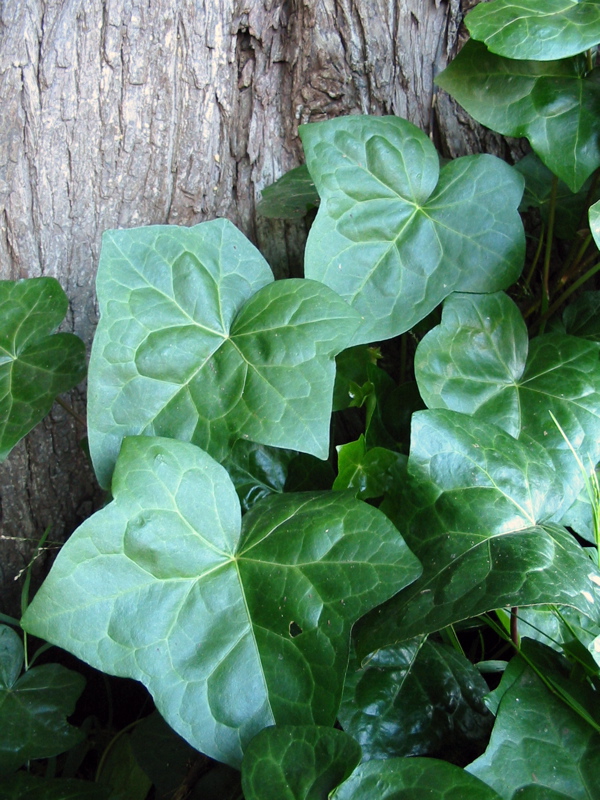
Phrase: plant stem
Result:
[71,411]
[536,257]
[572,264]
[514,627]
[548,252]
[566,294]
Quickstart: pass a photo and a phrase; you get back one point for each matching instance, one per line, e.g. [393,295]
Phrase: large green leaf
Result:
[36,364]
[473,507]
[541,31]
[394,234]
[554,104]
[299,762]
[233,626]
[582,317]
[196,342]
[418,698]
[34,707]
[479,362]
[291,197]
[412,779]
[538,739]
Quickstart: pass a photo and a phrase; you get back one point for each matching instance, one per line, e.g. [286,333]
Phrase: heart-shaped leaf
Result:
[196,342]
[419,698]
[394,234]
[35,366]
[290,197]
[582,317]
[34,707]
[528,29]
[300,762]
[538,739]
[233,626]
[471,508]
[554,104]
[478,361]
[412,779]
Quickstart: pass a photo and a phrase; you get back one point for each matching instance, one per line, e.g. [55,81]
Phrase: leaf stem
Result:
[548,251]
[536,257]
[72,412]
[566,294]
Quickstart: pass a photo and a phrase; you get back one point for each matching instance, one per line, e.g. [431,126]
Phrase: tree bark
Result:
[118,113]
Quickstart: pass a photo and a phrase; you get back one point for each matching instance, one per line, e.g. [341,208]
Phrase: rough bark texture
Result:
[117,113]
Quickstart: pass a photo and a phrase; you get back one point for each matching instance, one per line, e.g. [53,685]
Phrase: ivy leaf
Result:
[412,779]
[257,471]
[582,317]
[369,472]
[36,364]
[300,762]
[538,739]
[478,361]
[232,625]
[554,104]
[290,197]
[570,208]
[394,234]
[418,698]
[594,215]
[474,507]
[528,29]
[196,342]
[34,707]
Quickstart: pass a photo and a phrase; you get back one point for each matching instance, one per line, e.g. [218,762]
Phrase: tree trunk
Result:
[118,113]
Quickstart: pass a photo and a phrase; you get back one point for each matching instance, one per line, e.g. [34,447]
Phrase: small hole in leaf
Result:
[295,629]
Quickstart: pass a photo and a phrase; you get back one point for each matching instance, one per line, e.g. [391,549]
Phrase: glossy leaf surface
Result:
[412,779]
[233,626]
[291,197]
[300,762]
[36,364]
[196,342]
[394,234]
[594,215]
[416,699]
[528,29]
[479,362]
[34,707]
[369,472]
[538,739]
[471,508]
[554,104]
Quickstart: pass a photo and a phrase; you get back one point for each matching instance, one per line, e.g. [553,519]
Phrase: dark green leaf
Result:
[35,366]
[11,657]
[290,197]
[471,508]
[416,699]
[554,104]
[302,762]
[232,625]
[196,342]
[394,234]
[164,756]
[122,774]
[369,472]
[478,362]
[570,208]
[257,471]
[412,779]
[538,739]
[582,317]
[33,712]
[541,31]
[23,786]
[309,474]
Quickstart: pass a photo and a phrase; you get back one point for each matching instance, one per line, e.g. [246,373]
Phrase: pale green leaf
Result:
[196,342]
[394,234]
[232,625]
[541,31]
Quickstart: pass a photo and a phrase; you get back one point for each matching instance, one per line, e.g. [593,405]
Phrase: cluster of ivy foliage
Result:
[344,507]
